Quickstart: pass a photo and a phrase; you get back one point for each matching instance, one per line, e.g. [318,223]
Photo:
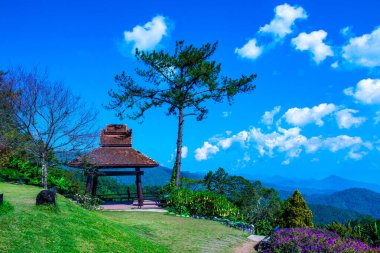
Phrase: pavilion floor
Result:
[125,206]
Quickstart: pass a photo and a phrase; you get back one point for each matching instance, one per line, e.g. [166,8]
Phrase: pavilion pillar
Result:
[88,183]
[94,185]
[139,188]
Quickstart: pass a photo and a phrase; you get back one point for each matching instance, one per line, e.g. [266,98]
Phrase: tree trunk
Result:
[44,171]
[178,158]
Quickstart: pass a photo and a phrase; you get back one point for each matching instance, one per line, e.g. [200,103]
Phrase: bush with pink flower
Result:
[309,240]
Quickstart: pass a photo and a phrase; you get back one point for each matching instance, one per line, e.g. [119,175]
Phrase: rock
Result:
[46,197]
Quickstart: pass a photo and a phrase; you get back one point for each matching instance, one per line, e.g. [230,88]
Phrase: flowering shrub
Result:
[87,202]
[309,240]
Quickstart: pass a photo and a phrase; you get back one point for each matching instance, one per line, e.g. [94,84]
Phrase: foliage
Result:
[258,205]
[314,240]
[183,81]
[323,214]
[296,212]
[6,207]
[203,203]
[366,230]
[87,202]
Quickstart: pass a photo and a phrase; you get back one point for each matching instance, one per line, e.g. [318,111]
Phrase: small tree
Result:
[296,212]
[183,81]
[49,115]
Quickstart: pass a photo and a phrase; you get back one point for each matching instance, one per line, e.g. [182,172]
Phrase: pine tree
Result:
[185,82]
[296,212]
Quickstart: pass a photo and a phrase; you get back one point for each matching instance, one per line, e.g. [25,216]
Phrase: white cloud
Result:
[366,91]
[290,142]
[283,21]
[250,50]
[226,143]
[337,143]
[302,116]
[268,116]
[184,151]
[377,117]
[148,36]
[335,65]
[205,151]
[345,31]
[346,119]
[226,114]
[313,42]
[364,50]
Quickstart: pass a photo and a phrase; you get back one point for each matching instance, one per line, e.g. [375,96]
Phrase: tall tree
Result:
[296,212]
[53,119]
[183,81]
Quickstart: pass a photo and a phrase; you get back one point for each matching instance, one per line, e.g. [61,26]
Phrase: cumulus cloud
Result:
[364,50]
[377,117]
[289,142]
[205,151]
[345,118]
[302,116]
[226,143]
[335,65]
[268,116]
[366,91]
[283,21]
[250,50]
[184,151]
[148,36]
[313,42]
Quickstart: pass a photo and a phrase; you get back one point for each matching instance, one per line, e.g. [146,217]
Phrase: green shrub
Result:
[203,203]
[296,212]
[366,230]
[88,202]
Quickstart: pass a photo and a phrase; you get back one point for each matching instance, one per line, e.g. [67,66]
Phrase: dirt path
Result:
[247,247]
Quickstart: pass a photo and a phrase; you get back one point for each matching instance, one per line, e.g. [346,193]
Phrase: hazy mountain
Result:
[157,176]
[357,199]
[327,185]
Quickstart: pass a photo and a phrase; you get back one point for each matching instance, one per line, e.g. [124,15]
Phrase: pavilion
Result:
[112,158]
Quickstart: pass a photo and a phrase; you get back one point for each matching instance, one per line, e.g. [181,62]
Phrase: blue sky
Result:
[316,110]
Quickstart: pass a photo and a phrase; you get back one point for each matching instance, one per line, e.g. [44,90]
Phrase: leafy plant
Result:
[88,202]
[204,203]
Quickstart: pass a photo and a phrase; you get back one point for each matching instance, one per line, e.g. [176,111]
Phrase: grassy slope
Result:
[181,234]
[72,229]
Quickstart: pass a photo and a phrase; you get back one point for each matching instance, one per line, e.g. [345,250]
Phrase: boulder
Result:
[46,197]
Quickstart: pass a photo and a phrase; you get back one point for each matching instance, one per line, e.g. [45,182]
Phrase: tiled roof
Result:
[115,152]
[114,157]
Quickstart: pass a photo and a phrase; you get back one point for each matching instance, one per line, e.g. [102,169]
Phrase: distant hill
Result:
[157,176]
[323,214]
[328,185]
[357,199]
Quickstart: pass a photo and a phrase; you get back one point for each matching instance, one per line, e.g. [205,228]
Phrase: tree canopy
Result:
[183,82]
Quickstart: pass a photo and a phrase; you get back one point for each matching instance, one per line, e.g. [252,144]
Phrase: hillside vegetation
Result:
[70,228]
[360,200]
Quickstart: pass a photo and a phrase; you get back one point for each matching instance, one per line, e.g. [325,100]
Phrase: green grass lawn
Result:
[70,228]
